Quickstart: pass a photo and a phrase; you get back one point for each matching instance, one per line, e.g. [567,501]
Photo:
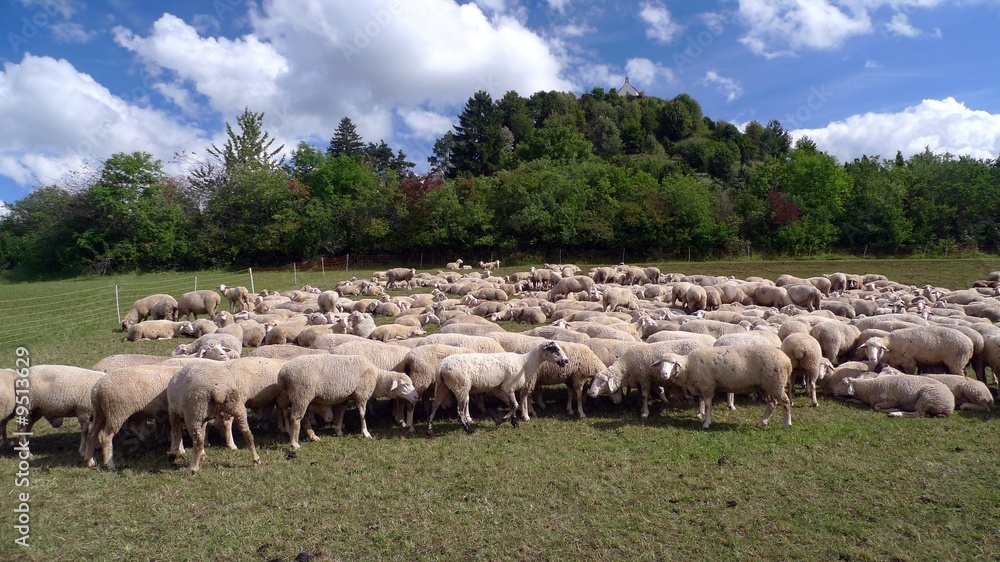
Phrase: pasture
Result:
[842,483]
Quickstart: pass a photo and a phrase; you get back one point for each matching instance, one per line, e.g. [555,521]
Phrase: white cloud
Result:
[777,26]
[645,72]
[64,8]
[574,29]
[559,5]
[56,119]
[942,125]
[69,32]
[660,24]
[726,85]
[872,64]
[426,124]
[900,25]
[4,210]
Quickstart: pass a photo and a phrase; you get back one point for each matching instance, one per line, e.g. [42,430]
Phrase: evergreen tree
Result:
[346,140]
[251,147]
[478,140]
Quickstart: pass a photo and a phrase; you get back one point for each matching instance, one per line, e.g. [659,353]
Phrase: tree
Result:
[251,147]
[440,159]
[478,146]
[346,141]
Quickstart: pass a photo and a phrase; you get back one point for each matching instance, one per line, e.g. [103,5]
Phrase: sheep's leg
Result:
[362,406]
[176,439]
[569,400]
[338,416]
[240,417]
[701,408]
[731,400]
[644,400]
[296,414]
[408,420]
[578,387]
[197,431]
[463,412]
[224,423]
[84,421]
[811,386]
[440,394]
[771,404]
[707,403]
[105,435]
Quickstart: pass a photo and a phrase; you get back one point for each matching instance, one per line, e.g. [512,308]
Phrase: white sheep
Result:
[921,346]
[143,308]
[127,394]
[230,345]
[457,264]
[835,338]
[362,324]
[421,364]
[59,391]
[614,297]
[8,378]
[583,366]
[807,358]
[284,351]
[903,395]
[200,392]
[970,394]
[738,369]
[331,380]
[399,276]
[194,303]
[155,330]
[490,265]
[389,332]
[120,360]
[238,297]
[500,373]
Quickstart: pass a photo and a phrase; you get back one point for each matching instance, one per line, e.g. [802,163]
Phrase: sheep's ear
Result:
[613,385]
[394,385]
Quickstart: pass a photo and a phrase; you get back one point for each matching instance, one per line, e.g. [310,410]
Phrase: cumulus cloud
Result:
[945,125]
[70,32]
[4,211]
[426,124]
[900,25]
[777,27]
[724,84]
[57,119]
[660,25]
[645,72]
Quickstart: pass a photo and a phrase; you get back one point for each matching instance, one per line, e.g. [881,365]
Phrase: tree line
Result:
[515,176]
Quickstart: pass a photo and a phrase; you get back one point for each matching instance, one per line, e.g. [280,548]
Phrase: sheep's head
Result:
[849,382]
[182,350]
[402,387]
[215,351]
[874,348]
[669,366]
[186,328]
[555,353]
[602,385]
[825,368]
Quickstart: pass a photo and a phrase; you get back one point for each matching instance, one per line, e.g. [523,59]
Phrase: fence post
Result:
[195,282]
[421,261]
[623,255]
[322,264]
[252,288]
[118,307]
[347,262]
[866,251]
[295,274]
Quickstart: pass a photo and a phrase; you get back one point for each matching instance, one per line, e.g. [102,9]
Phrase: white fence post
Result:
[322,264]
[347,262]
[252,289]
[195,282]
[118,307]
[295,274]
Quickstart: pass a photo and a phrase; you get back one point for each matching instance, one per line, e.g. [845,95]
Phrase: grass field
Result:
[842,483]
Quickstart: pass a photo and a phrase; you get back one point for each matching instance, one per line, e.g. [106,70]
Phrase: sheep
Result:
[500,373]
[193,303]
[835,338]
[331,380]
[420,364]
[970,394]
[164,309]
[833,383]
[805,295]
[285,351]
[362,324]
[389,332]
[455,265]
[155,330]
[767,295]
[583,366]
[636,368]
[737,369]
[670,335]
[254,332]
[712,327]
[524,315]
[59,391]
[232,346]
[238,297]
[399,276]
[120,360]
[807,358]
[143,307]
[575,284]
[199,327]
[128,394]
[903,395]
[200,392]
[614,297]
[921,347]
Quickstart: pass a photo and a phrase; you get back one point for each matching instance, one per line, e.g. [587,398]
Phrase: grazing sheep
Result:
[388,332]
[128,394]
[61,391]
[201,392]
[500,373]
[331,380]
[970,394]
[921,347]
[614,297]
[767,295]
[327,301]
[583,366]
[903,395]
[238,297]
[399,276]
[194,303]
[421,364]
[695,299]
[805,295]
[835,338]
[738,369]
[807,359]
[165,309]
[575,284]
[143,308]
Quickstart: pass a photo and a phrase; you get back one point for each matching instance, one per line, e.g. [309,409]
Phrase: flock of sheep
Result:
[671,336]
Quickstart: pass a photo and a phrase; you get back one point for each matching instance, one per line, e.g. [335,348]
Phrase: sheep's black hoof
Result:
[514,422]
[430,433]
[469,429]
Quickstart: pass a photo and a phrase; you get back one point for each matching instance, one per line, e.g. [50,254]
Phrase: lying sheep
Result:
[455,265]
[332,380]
[231,345]
[143,308]
[903,395]
[970,394]
[120,360]
[155,330]
[389,332]
[128,394]
[500,373]
[284,351]
[238,297]
[60,391]
[194,303]
[739,369]
[201,392]
[921,347]
[362,324]
[490,265]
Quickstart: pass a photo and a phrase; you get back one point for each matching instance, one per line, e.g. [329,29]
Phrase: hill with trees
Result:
[517,175]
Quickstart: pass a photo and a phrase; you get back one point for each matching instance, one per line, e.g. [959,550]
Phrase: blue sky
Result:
[83,80]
